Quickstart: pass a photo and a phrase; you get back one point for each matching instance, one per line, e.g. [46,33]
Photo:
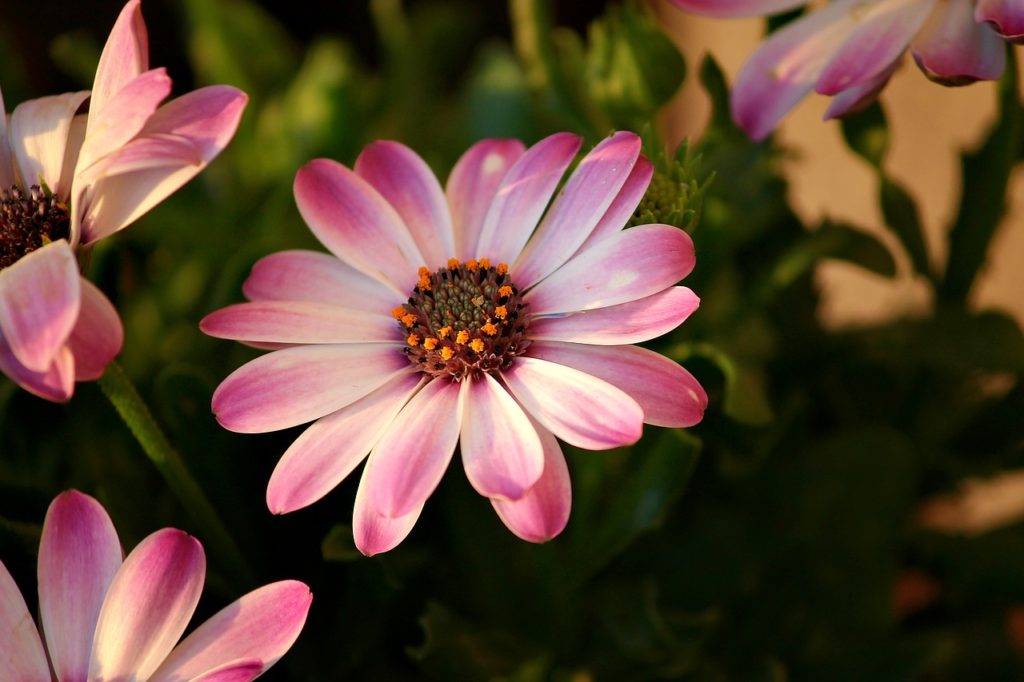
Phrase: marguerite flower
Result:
[69,177]
[850,48]
[462,316]
[104,619]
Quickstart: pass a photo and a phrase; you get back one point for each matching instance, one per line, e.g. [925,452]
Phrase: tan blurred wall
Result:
[930,125]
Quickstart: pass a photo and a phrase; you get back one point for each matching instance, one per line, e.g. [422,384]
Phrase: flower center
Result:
[28,221]
[464,320]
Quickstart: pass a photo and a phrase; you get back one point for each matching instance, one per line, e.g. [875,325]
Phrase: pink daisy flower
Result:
[69,178]
[849,49]
[106,619]
[467,315]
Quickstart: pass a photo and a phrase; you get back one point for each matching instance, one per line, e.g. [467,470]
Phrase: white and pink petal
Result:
[953,50]
[98,335]
[471,188]
[577,407]
[22,658]
[299,322]
[1006,17]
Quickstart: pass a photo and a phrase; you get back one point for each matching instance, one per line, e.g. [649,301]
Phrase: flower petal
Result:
[319,277]
[1006,17]
[412,189]
[357,224]
[859,96]
[471,188]
[785,67]
[297,385]
[97,337]
[39,130]
[125,55]
[626,202]
[501,451]
[375,532]
[123,115]
[737,8]
[669,395]
[543,511]
[294,322]
[953,50]
[578,208]
[522,196]
[408,461]
[79,553]
[878,34]
[632,322]
[40,296]
[328,451]
[577,407]
[260,626]
[207,118]
[22,658]
[148,606]
[632,264]
[242,670]
[56,383]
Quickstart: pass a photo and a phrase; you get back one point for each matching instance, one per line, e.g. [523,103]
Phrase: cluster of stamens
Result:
[28,221]
[464,319]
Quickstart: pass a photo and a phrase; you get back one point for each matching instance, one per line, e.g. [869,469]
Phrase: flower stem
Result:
[118,388]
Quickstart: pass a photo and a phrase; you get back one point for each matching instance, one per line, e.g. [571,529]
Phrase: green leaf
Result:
[639,503]
[986,172]
[713,79]
[338,545]
[832,240]
[902,217]
[746,398]
[867,135]
[632,68]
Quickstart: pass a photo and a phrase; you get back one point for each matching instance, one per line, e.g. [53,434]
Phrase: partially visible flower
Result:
[466,315]
[977,505]
[103,619]
[849,49]
[75,168]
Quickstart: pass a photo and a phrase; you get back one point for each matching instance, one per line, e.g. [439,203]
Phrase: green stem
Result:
[133,410]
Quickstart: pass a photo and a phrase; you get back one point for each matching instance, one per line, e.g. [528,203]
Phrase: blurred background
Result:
[848,509]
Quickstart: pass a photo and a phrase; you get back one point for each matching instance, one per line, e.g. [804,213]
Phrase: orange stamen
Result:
[502,269]
[501,311]
[412,340]
[409,320]
[477,345]
[399,312]
[453,263]
[424,283]
[430,344]
[462,337]
[447,353]
[485,263]
[489,329]
[443,332]
[472,265]
[423,272]
[505,291]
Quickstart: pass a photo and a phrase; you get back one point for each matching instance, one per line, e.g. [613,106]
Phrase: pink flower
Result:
[69,178]
[466,315]
[849,49]
[104,619]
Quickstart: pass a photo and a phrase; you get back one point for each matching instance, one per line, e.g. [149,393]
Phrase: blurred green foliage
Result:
[765,544]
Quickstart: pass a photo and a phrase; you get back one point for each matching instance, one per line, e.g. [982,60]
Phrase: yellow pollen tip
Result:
[502,268]
[477,345]
[409,320]
[462,337]
[447,353]
[398,313]
[489,329]
[472,265]
[453,263]
[505,291]
[485,263]
[430,344]
[501,311]
[412,340]
[443,332]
